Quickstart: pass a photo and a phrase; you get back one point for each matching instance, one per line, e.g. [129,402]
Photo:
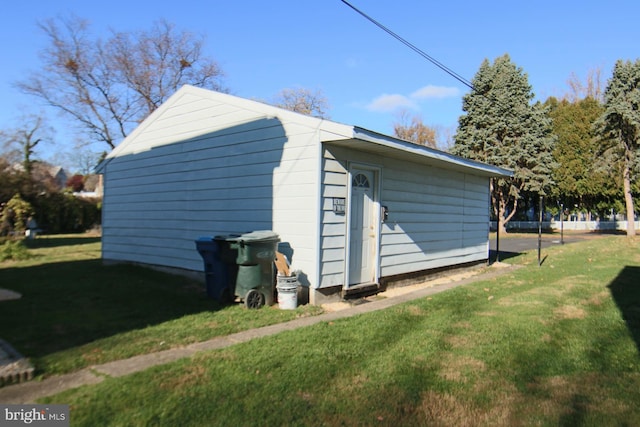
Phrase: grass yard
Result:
[76,312]
[551,345]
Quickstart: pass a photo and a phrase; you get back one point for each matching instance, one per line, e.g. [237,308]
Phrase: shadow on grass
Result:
[625,290]
[68,304]
[56,241]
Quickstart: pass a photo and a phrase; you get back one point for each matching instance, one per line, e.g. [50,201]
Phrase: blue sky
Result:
[266,46]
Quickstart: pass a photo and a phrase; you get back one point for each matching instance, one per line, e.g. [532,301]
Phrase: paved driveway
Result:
[513,245]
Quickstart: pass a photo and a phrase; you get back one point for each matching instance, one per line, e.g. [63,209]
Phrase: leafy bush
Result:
[14,215]
[14,250]
[76,182]
[64,213]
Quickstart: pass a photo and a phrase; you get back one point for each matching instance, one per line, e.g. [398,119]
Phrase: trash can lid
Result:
[228,237]
[259,235]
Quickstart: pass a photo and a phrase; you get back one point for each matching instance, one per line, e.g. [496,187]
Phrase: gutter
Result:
[428,152]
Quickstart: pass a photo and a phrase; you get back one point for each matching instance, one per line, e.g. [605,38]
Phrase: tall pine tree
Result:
[619,127]
[503,127]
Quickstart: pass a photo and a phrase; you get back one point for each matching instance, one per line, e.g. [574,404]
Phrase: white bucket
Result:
[287,292]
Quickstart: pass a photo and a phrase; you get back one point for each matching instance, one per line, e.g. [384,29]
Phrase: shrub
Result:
[76,182]
[64,213]
[14,250]
[14,215]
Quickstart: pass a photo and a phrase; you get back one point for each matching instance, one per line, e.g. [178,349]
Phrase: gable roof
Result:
[330,132]
[188,97]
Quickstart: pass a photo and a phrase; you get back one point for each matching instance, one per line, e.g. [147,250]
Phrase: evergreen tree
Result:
[619,127]
[579,177]
[504,128]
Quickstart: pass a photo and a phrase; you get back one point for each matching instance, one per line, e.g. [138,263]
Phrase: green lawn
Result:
[550,345]
[76,312]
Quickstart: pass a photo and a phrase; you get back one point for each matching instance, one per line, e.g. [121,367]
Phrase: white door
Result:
[362,250]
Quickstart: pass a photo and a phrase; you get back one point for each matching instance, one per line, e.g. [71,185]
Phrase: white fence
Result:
[567,225]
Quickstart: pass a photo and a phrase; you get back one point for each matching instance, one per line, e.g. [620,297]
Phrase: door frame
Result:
[377,179]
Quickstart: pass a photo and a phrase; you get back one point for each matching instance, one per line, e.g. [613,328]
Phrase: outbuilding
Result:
[353,208]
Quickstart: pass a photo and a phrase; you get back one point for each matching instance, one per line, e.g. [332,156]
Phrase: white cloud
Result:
[430,92]
[386,103]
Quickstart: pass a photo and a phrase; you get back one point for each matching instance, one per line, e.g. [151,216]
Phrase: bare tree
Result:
[85,160]
[445,137]
[303,101]
[21,141]
[591,88]
[412,128]
[156,63]
[108,87]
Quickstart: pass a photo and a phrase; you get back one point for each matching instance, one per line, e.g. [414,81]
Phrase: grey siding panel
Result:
[207,163]
[437,217]
[333,238]
[205,169]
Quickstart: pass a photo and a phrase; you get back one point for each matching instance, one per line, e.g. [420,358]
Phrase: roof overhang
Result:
[376,143]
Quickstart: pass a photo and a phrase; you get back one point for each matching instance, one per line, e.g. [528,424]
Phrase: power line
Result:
[412,47]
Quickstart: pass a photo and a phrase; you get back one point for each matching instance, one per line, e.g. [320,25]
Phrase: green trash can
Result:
[256,253]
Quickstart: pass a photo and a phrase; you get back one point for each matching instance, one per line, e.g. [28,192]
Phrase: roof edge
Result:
[432,153]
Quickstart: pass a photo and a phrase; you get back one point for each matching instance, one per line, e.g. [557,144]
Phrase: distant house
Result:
[43,171]
[92,187]
[352,207]
[59,175]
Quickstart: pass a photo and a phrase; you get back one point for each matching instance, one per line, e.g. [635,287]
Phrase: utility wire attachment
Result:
[412,47]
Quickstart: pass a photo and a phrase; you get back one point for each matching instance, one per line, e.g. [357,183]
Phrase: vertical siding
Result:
[204,168]
[437,217]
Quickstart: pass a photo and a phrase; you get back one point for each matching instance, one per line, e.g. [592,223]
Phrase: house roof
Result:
[330,132]
[370,141]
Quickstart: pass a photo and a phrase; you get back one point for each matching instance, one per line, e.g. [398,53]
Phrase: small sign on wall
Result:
[339,205]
